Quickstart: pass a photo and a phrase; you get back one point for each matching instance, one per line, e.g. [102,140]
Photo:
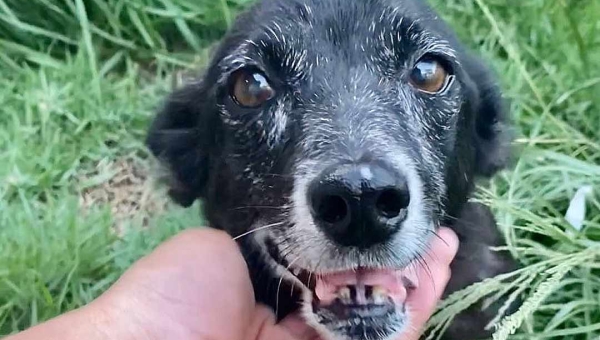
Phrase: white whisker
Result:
[258,229]
[279,285]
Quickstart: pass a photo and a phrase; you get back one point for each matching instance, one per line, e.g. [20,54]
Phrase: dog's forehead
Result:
[313,11]
[301,32]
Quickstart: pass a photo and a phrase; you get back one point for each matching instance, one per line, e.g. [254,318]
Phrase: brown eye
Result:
[429,75]
[251,89]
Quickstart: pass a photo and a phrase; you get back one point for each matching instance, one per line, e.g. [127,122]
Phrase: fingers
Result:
[198,280]
[292,328]
[297,327]
[434,275]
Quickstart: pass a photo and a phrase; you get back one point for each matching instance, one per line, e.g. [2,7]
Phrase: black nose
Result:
[359,205]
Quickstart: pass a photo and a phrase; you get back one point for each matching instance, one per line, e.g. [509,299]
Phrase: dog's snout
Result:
[359,205]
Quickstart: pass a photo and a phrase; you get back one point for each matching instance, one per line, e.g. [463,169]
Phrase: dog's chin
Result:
[358,304]
[353,323]
[353,304]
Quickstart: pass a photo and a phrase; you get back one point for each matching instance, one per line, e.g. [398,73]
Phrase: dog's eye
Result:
[429,75]
[251,89]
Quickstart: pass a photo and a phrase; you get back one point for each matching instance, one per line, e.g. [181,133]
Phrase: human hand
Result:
[196,286]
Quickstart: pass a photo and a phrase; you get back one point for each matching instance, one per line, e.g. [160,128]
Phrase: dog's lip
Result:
[359,286]
[372,277]
[306,277]
[325,286]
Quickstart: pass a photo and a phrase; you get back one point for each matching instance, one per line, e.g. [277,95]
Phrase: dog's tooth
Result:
[379,295]
[296,271]
[379,299]
[344,294]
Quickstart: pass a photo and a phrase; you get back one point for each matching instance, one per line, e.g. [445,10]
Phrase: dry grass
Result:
[127,186]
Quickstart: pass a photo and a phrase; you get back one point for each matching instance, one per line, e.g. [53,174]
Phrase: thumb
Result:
[436,274]
[264,327]
[197,283]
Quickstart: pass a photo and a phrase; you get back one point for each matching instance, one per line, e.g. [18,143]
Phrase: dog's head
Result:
[342,133]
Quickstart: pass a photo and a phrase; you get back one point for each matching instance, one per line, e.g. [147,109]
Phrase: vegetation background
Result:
[81,80]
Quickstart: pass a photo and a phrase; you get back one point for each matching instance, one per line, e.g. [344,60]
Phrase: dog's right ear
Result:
[181,136]
[493,125]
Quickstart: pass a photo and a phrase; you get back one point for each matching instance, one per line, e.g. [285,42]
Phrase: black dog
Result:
[343,133]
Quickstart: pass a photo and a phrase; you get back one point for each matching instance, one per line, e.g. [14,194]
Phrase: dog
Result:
[332,138]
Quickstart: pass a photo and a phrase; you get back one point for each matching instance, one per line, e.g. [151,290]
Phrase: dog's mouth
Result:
[363,287]
[357,298]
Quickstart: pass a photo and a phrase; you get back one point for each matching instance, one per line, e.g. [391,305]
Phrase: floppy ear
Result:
[493,132]
[181,136]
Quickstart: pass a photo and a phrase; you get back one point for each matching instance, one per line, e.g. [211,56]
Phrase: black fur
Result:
[227,161]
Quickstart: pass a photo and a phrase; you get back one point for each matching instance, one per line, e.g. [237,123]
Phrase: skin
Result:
[166,295]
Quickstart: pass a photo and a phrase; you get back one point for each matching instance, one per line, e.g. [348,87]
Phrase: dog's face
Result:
[342,133]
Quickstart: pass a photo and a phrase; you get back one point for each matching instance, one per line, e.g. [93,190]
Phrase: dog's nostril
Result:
[391,202]
[332,209]
[359,205]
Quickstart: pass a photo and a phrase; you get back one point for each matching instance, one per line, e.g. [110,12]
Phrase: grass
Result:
[81,79]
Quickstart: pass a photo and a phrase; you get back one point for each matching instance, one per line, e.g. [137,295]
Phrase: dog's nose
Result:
[359,205]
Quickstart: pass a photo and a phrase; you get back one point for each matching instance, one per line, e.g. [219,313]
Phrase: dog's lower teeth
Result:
[362,295]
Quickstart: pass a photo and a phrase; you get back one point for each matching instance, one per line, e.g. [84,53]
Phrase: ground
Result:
[78,204]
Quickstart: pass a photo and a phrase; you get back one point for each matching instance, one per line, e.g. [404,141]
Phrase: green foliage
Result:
[53,259]
[44,31]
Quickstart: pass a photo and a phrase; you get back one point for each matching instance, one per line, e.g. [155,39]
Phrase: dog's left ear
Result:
[493,133]
[181,136]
